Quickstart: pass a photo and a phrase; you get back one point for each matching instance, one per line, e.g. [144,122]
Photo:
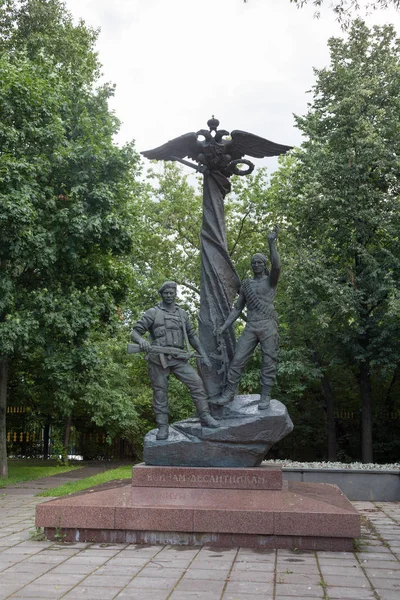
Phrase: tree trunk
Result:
[366,413]
[46,435]
[67,432]
[3,411]
[331,425]
[329,401]
[390,397]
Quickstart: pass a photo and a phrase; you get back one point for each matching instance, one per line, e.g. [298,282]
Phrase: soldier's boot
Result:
[226,397]
[265,400]
[206,419]
[163,431]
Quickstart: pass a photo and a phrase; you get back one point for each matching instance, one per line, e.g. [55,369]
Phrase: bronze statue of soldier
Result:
[261,327]
[170,330]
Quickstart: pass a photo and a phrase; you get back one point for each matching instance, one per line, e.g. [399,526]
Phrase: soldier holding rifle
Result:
[170,329]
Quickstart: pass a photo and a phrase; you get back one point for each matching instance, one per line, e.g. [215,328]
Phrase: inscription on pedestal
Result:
[257,478]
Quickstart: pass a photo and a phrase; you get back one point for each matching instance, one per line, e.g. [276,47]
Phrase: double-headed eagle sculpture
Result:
[217,150]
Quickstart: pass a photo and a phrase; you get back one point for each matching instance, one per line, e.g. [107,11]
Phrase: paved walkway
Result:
[31,568]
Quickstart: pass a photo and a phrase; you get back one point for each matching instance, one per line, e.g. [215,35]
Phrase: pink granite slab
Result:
[299,511]
[256,478]
[158,519]
[58,515]
[261,500]
[234,521]
[222,540]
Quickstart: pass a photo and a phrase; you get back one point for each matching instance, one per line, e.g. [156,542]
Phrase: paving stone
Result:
[128,562]
[342,593]
[142,595]
[93,593]
[167,572]
[88,560]
[6,589]
[209,564]
[16,551]
[301,578]
[114,570]
[379,573]
[27,567]
[249,587]
[201,585]
[388,594]
[261,558]
[338,562]
[310,568]
[144,549]
[20,579]
[173,554]
[42,558]
[380,564]
[78,569]
[218,554]
[297,560]
[260,576]
[6,564]
[387,583]
[145,583]
[183,549]
[107,580]
[98,553]
[336,555]
[230,596]
[299,591]
[348,582]
[250,566]
[59,579]
[194,596]
[42,591]
[278,596]
[355,571]
[387,555]
[195,574]
[106,546]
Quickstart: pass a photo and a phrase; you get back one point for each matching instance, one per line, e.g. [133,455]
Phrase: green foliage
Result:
[20,471]
[345,10]
[120,473]
[339,195]
[65,195]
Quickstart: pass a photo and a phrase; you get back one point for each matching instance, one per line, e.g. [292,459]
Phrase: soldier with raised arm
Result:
[170,330]
[258,295]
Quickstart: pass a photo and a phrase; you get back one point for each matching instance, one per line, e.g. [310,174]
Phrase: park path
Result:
[35,486]
[32,569]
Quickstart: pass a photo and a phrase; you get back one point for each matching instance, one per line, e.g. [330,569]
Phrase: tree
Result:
[65,189]
[340,199]
[345,9]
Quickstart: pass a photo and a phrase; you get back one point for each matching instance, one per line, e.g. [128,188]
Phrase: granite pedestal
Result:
[214,506]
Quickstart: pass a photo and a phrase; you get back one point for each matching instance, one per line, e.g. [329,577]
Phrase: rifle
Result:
[169,350]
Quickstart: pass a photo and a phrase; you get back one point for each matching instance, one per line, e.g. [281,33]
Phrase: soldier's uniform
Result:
[166,328]
[261,327]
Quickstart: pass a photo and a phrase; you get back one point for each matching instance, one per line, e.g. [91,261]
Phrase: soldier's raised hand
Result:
[272,235]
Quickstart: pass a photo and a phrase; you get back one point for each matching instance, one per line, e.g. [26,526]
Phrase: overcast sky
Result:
[177,62]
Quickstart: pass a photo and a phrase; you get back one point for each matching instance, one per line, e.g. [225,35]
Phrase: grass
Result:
[89,482]
[20,471]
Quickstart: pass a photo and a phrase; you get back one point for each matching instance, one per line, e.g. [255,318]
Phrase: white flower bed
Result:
[294,464]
